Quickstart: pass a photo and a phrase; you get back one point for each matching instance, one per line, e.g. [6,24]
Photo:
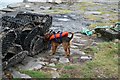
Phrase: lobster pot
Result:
[43,21]
[23,35]
[15,23]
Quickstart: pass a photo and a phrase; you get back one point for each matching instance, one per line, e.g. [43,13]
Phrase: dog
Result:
[65,41]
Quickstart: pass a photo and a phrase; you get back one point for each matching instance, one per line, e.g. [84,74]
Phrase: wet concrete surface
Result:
[69,22]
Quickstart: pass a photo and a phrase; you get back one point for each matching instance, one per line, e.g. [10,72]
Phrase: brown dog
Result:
[65,41]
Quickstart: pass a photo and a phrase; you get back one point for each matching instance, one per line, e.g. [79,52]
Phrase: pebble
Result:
[56,57]
[41,59]
[52,64]
[54,60]
[86,57]
[77,51]
[43,63]
[54,69]
[55,74]
[64,60]
[73,46]
[76,44]
[44,8]
[93,12]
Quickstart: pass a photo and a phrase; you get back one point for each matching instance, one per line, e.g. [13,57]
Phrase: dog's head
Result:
[48,35]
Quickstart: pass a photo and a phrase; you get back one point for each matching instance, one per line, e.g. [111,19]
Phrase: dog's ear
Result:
[47,36]
[51,31]
[54,32]
[58,32]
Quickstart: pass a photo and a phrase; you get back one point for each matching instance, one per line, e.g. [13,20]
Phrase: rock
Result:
[42,59]
[27,5]
[83,41]
[54,69]
[43,63]
[37,66]
[74,16]
[55,74]
[116,40]
[86,58]
[63,19]
[17,74]
[77,51]
[93,12]
[76,40]
[60,51]
[7,10]
[79,45]
[18,5]
[78,35]
[79,41]
[58,1]
[52,64]
[26,60]
[38,0]
[73,46]
[1,14]
[25,1]
[81,52]
[45,8]
[94,44]
[32,65]
[64,60]
[54,59]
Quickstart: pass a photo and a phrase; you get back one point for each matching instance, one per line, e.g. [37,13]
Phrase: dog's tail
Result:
[71,35]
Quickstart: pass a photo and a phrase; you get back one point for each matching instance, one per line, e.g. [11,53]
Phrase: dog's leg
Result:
[54,47]
[65,46]
[68,50]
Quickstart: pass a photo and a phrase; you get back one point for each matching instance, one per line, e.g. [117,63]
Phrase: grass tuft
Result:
[36,74]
